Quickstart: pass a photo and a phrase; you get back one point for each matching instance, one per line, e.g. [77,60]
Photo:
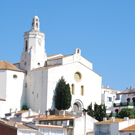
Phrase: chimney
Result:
[131,87]
[64,113]
[46,114]
[113,119]
[104,119]
[10,110]
[15,124]
[126,118]
[38,111]
[29,112]
[107,86]
[16,110]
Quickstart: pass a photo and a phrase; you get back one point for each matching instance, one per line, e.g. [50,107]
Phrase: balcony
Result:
[124,104]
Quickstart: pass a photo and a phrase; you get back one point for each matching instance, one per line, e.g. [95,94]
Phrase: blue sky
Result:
[104,30]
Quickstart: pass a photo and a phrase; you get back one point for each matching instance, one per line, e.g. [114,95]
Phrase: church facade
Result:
[41,74]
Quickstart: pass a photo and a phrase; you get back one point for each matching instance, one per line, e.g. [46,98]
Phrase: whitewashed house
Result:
[112,126]
[12,87]
[75,124]
[125,99]
[15,128]
[108,97]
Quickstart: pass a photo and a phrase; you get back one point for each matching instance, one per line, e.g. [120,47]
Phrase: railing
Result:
[124,104]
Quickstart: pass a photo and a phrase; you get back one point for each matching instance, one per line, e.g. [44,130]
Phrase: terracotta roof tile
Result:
[130,128]
[50,126]
[44,117]
[125,93]
[4,65]
[67,117]
[2,99]
[110,121]
[19,112]
[19,125]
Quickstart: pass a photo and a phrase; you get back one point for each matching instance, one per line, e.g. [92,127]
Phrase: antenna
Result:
[36,11]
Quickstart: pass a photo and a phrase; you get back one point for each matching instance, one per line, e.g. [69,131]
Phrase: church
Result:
[33,80]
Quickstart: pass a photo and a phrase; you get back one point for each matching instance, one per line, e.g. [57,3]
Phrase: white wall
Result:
[90,80]
[2,108]
[15,90]
[26,132]
[3,85]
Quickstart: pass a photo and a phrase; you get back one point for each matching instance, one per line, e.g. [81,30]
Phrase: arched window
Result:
[116,110]
[73,89]
[36,25]
[26,45]
[128,99]
[82,90]
[78,51]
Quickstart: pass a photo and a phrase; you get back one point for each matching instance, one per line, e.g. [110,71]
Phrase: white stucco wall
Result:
[3,84]
[2,108]
[37,90]
[15,90]
[26,132]
[90,80]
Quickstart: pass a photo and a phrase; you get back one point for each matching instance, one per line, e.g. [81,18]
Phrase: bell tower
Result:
[35,23]
[33,55]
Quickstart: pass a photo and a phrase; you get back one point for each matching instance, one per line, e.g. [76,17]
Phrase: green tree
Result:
[90,110]
[98,113]
[127,112]
[24,107]
[62,95]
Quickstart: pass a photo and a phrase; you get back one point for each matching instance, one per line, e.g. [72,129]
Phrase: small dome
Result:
[4,65]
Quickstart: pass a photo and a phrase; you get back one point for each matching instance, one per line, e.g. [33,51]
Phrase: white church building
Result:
[33,80]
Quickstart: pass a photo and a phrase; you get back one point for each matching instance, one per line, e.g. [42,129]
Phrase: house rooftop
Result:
[4,65]
[111,121]
[67,117]
[130,128]
[12,125]
[50,126]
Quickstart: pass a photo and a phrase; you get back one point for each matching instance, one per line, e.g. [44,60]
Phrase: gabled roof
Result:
[4,65]
[130,128]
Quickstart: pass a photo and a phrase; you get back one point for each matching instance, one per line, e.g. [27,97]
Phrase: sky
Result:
[104,30]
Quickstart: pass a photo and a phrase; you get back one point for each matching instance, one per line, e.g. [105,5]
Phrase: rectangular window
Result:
[59,123]
[82,90]
[117,97]
[64,123]
[72,89]
[109,99]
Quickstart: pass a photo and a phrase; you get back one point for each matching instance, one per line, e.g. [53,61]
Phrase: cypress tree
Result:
[62,95]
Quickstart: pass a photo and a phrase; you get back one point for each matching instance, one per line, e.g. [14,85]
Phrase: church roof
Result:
[45,67]
[4,65]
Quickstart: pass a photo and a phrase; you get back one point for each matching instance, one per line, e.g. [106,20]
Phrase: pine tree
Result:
[62,95]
